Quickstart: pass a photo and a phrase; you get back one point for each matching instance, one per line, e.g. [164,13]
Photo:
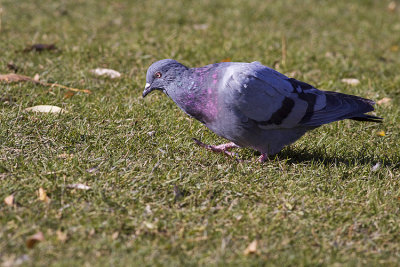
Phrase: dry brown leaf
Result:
[42,195]
[380,133]
[61,236]
[12,78]
[351,81]
[40,47]
[251,248]
[46,109]
[36,77]
[392,6]
[12,66]
[68,94]
[34,239]
[228,59]
[385,100]
[9,201]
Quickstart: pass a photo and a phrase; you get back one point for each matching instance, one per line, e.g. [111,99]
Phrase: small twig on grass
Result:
[12,77]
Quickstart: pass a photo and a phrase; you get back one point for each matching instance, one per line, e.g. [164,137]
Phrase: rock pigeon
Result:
[252,105]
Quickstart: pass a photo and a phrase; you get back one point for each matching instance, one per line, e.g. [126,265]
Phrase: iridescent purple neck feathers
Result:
[195,92]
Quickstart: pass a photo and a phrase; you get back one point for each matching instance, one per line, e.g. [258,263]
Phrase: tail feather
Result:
[341,106]
[366,117]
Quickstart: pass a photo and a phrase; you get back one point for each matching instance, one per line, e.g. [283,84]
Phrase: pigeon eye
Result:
[158,74]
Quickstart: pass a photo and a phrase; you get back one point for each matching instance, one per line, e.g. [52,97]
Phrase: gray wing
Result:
[268,98]
[274,101]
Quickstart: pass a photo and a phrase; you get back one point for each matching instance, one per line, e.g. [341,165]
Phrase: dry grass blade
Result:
[12,78]
[87,91]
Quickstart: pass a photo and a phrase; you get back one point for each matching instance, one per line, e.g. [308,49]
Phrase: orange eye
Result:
[158,75]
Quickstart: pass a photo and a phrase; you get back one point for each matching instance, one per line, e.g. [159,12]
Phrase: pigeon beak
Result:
[147,90]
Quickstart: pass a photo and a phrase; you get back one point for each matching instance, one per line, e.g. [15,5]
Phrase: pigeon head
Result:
[161,73]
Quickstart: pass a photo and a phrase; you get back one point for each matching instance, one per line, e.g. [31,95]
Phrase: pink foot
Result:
[263,157]
[219,149]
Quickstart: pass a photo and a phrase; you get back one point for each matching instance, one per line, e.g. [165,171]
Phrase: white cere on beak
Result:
[147,86]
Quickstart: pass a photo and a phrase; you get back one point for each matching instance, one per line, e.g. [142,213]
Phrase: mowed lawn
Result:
[157,199]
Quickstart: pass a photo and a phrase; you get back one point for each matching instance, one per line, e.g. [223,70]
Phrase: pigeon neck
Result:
[195,95]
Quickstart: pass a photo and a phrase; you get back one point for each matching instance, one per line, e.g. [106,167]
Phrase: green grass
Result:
[161,200]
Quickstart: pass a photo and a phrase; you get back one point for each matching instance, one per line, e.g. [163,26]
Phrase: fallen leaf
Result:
[392,6]
[46,109]
[380,133]
[251,248]
[79,186]
[12,77]
[34,239]
[42,195]
[61,236]
[9,200]
[68,94]
[106,72]
[394,48]
[228,59]
[36,77]
[40,47]
[12,66]
[351,81]
[115,235]
[384,100]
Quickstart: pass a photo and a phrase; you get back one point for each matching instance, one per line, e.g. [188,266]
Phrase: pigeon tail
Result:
[341,106]
[365,117]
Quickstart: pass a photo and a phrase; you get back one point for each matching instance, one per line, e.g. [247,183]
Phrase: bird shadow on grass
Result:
[323,157]
[296,156]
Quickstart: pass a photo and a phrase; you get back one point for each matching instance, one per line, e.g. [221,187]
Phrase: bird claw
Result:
[263,158]
[220,148]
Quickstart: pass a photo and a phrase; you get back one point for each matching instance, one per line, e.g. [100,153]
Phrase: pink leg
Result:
[263,157]
[220,148]
[226,146]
